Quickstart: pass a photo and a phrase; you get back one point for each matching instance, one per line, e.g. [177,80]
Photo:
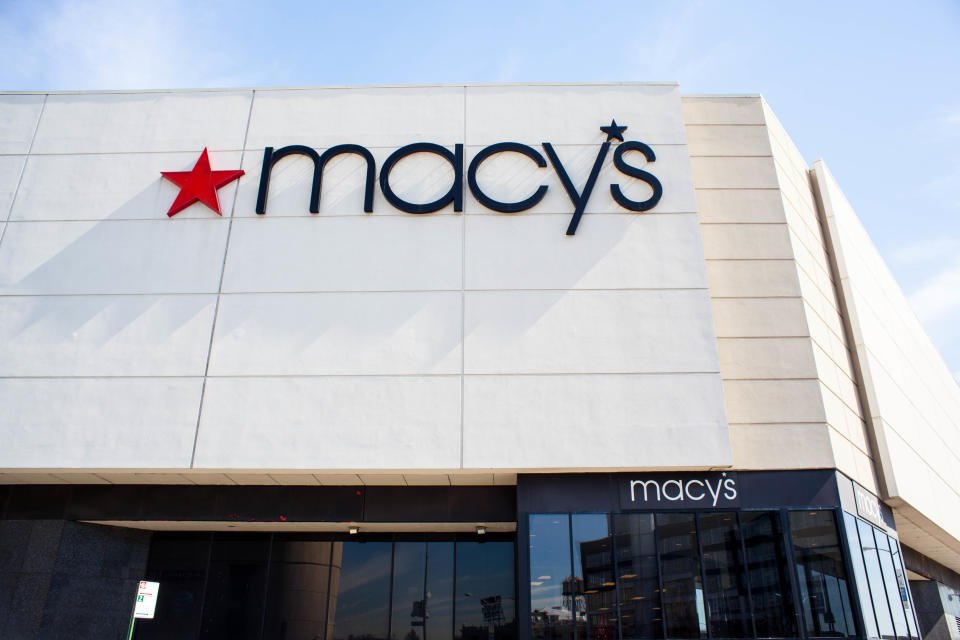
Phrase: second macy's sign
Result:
[454,195]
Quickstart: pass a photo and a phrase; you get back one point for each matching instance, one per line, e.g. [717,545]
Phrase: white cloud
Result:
[109,44]
[939,296]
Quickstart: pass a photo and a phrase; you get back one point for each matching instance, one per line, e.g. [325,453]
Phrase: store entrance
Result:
[332,587]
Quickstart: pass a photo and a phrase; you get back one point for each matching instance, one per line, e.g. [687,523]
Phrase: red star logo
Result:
[199,184]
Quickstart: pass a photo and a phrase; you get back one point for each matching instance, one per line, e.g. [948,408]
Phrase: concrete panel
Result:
[114,186]
[143,121]
[511,177]
[338,334]
[740,205]
[19,121]
[781,446]
[766,358]
[911,395]
[382,253]
[734,173]
[753,279]
[516,113]
[746,242]
[594,421]
[764,317]
[368,116]
[300,423]
[723,110]
[87,423]
[608,252]
[144,256]
[728,140]
[588,332]
[10,168]
[771,401]
[105,335]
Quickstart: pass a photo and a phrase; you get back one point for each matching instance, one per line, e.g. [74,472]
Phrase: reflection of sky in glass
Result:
[586,528]
[364,593]
[483,570]
[409,563]
[439,591]
[549,560]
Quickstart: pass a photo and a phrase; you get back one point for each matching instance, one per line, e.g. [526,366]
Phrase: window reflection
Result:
[683,603]
[724,576]
[774,614]
[485,599]
[860,574]
[409,609]
[638,578]
[903,587]
[551,579]
[821,574]
[594,586]
[439,596]
[871,559]
[361,609]
[891,584]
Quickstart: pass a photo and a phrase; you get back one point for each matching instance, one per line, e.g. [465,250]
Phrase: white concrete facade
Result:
[744,322]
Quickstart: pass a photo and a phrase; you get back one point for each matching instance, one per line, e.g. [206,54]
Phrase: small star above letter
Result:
[614,131]
[199,184]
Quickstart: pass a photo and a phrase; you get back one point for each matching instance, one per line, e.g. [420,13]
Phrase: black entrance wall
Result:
[61,579]
[258,503]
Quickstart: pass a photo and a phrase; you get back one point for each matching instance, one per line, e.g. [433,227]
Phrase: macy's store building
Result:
[494,362]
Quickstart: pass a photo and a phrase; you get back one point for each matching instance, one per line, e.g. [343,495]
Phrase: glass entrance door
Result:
[310,587]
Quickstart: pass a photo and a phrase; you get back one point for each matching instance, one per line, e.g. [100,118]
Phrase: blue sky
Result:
[871,87]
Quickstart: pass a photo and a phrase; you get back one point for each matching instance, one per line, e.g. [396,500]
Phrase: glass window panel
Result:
[821,574]
[236,586]
[890,582]
[683,604]
[179,564]
[409,581]
[871,559]
[361,592]
[439,591]
[904,587]
[298,588]
[771,593]
[485,600]
[724,574]
[641,613]
[860,574]
[551,594]
[594,586]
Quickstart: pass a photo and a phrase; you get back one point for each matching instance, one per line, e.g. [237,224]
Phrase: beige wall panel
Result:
[739,205]
[764,317]
[734,173]
[722,110]
[768,401]
[728,140]
[766,358]
[753,279]
[746,241]
[781,446]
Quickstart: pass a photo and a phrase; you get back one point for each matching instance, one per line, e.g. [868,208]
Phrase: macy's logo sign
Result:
[682,490]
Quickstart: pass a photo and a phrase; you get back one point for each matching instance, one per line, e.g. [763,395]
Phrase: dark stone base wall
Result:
[62,579]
